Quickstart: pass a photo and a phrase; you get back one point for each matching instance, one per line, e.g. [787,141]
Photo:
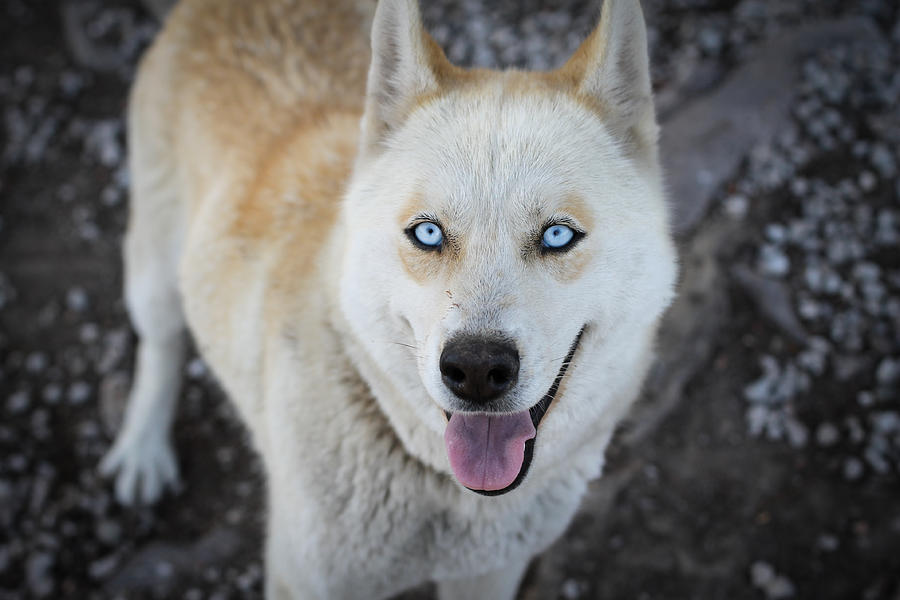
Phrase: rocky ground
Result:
[763,461]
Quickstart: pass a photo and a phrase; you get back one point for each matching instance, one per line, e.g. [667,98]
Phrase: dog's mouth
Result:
[490,453]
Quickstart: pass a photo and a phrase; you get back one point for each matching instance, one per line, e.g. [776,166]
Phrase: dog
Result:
[432,293]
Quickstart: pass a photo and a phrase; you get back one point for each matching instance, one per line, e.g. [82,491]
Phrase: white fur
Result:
[333,360]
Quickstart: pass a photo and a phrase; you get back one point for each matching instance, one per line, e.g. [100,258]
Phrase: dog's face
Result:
[507,254]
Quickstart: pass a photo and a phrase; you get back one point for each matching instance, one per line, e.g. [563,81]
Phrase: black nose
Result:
[479,369]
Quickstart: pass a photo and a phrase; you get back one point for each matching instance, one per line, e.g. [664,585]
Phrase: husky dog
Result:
[431,292]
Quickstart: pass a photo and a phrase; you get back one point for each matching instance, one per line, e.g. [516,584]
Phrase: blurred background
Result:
[762,461]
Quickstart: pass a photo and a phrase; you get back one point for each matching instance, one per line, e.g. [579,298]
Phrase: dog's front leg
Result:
[496,585]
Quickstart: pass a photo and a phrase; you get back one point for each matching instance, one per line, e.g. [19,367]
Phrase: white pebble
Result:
[77,299]
[853,469]
[18,402]
[772,261]
[827,434]
[571,589]
[79,392]
[867,181]
[196,368]
[736,206]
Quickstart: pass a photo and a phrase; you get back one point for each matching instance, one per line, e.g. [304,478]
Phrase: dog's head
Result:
[507,247]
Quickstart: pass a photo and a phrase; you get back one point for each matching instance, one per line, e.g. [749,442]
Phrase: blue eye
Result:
[428,234]
[557,237]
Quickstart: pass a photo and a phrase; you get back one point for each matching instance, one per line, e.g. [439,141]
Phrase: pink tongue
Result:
[486,452]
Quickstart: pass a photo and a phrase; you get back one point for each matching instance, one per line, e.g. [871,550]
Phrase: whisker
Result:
[413,346]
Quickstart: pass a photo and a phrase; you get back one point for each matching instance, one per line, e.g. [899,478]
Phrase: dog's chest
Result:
[382,519]
[349,502]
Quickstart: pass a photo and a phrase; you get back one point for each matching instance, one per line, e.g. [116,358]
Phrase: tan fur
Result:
[276,161]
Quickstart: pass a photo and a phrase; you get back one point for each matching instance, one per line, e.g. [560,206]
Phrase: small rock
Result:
[115,346]
[39,574]
[234,516]
[102,142]
[780,588]
[88,430]
[77,299]
[855,430]
[797,433]
[757,418]
[711,40]
[809,309]
[40,488]
[814,358]
[89,333]
[736,206]
[164,569]
[865,398]
[196,368]
[853,469]
[847,366]
[776,233]
[40,424]
[18,402]
[827,435]
[75,362]
[571,589]
[888,371]
[48,315]
[875,457]
[36,362]
[866,272]
[17,462]
[883,161]
[885,423]
[828,542]
[52,393]
[799,187]
[225,456]
[761,390]
[104,567]
[867,181]
[772,261]
[774,586]
[761,574]
[250,577]
[88,230]
[79,392]
[111,195]
[71,83]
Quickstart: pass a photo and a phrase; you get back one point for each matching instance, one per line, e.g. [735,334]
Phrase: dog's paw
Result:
[143,468]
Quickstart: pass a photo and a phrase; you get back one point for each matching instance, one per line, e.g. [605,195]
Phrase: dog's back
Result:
[242,130]
[225,80]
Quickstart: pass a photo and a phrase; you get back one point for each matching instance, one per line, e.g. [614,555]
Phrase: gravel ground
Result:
[830,248]
[776,477]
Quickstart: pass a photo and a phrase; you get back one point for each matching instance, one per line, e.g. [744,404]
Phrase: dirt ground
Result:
[763,461]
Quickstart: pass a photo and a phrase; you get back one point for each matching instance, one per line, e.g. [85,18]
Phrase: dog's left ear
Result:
[407,65]
[611,70]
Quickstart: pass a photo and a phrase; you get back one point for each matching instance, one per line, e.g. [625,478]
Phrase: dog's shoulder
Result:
[230,80]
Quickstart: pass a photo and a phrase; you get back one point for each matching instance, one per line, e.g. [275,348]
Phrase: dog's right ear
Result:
[406,66]
[611,71]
